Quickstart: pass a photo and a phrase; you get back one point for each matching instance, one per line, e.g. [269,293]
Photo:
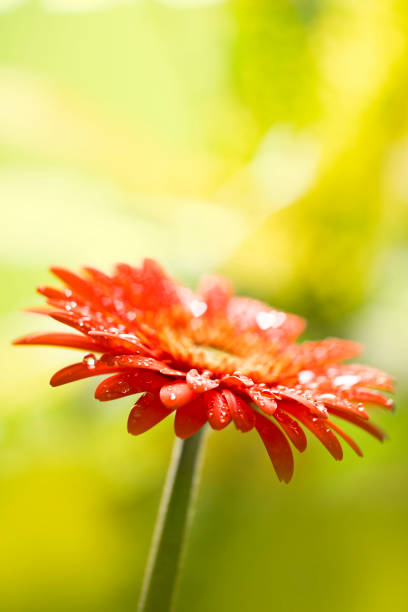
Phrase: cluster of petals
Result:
[209,356]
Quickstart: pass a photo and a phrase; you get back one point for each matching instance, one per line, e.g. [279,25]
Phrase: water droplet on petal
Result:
[305,376]
[70,305]
[271,319]
[347,380]
[123,387]
[89,360]
[198,307]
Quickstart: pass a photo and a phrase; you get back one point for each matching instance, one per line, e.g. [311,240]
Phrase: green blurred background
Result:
[267,140]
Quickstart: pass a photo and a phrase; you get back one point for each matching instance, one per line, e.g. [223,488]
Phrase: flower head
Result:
[209,357]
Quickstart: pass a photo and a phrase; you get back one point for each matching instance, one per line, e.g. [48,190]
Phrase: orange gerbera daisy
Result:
[209,357]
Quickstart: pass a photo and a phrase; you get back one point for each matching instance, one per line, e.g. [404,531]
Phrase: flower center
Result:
[214,351]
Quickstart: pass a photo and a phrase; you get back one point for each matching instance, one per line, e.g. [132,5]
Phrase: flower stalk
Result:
[170,534]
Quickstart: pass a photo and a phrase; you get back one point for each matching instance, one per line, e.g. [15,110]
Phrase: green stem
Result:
[171,527]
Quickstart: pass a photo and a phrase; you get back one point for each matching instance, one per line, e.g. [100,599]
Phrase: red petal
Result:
[219,414]
[128,383]
[199,383]
[269,324]
[277,447]
[242,414]
[61,339]
[138,361]
[79,285]
[346,437]
[148,287]
[343,405]
[190,418]
[216,291]
[313,405]
[368,396]
[55,294]
[371,428]
[317,426]
[309,355]
[364,375]
[43,310]
[237,381]
[176,394]
[100,278]
[80,370]
[292,429]
[82,324]
[122,340]
[262,400]
[146,413]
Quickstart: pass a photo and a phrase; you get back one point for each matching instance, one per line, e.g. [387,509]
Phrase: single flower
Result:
[209,357]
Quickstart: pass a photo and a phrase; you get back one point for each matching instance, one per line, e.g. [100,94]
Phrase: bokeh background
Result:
[263,139]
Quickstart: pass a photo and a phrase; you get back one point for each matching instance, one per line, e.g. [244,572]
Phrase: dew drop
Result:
[70,305]
[198,308]
[271,319]
[89,360]
[123,387]
[305,376]
[346,380]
